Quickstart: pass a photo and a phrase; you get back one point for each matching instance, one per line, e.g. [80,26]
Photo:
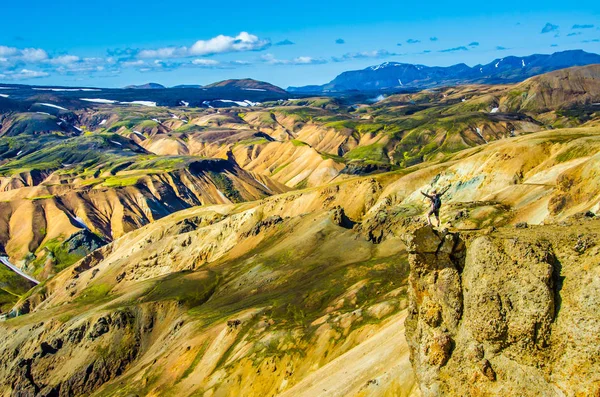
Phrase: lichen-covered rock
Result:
[504,314]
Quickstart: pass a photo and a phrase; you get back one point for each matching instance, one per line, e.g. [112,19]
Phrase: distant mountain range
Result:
[394,76]
[232,84]
[244,93]
[359,85]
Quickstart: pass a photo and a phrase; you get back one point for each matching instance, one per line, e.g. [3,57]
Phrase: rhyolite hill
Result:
[280,248]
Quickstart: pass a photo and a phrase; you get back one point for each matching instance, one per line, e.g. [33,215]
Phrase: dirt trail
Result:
[380,366]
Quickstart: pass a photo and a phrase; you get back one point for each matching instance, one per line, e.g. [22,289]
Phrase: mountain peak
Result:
[246,84]
[147,86]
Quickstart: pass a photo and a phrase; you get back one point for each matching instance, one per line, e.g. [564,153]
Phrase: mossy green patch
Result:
[44,197]
[120,181]
[189,289]
[94,293]
[297,142]
[374,152]
[226,186]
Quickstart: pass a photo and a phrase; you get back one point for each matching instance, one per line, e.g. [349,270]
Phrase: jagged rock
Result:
[50,348]
[101,327]
[487,370]
[75,335]
[83,242]
[120,277]
[338,217]
[233,323]
[439,349]
[263,225]
[583,244]
[122,319]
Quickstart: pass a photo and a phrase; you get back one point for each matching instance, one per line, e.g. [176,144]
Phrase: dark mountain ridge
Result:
[395,75]
[147,86]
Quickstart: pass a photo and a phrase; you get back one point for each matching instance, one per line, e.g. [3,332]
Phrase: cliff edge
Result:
[508,312]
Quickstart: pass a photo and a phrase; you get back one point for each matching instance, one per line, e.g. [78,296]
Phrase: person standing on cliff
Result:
[436,203]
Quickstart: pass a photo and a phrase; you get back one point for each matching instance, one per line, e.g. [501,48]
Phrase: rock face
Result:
[103,347]
[503,314]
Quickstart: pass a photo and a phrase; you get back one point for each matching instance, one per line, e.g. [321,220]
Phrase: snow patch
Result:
[377,67]
[523,62]
[495,110]
[142,103]
[52,106]
[184,103]
[44,113]
[223,196]
[263,185]
[98,100]
[244,103]
[80,222]
[254,89]
[478,130]
[3,95]
[20,153]
[103,122]
[66,89]
[4,260]
[138,133]
[116,143]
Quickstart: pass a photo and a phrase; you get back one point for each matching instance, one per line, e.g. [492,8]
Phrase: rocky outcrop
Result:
[96,350]
[503,314]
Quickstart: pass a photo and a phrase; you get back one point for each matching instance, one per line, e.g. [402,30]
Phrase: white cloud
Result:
[167,52]
[128,64]
[70,64]
[217,45]
[8,51]
[364,54]
[306,60]
[23,74]
[64,60]
[26,54]
[303,60]
[33,55]
[205,62]
[221,44]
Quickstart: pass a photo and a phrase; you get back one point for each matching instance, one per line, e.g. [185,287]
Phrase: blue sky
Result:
[116,43]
